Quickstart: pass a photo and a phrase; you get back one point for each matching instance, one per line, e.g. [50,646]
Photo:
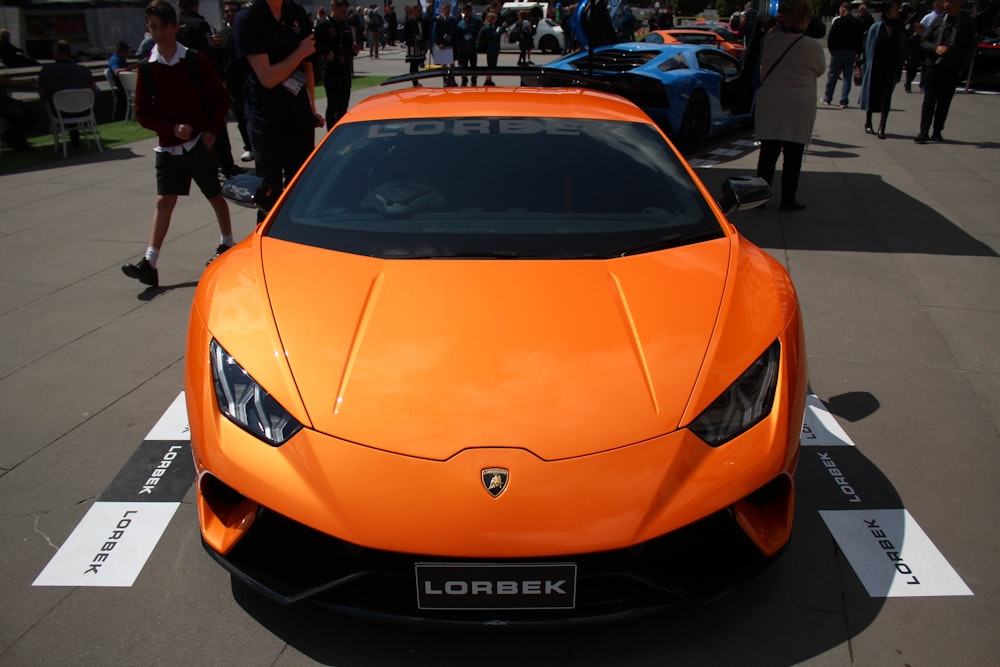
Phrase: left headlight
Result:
[246,403]
[744,403]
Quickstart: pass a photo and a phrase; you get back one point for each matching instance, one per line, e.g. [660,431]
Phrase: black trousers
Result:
[239,100]
[278,155]
[469,60]
[939,88]
[337,81]
[880,98]
[791,167]
[224,151]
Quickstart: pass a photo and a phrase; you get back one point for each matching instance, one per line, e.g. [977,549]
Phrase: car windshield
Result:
[508,188]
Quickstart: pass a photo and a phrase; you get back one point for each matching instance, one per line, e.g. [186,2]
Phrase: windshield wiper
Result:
[672,241]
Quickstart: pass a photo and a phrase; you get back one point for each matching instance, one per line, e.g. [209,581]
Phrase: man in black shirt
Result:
[336,47]
[844,43]
[275,37]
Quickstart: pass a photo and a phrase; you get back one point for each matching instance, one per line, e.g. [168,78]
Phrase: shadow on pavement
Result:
[850,212]
[42,158]
[806,603]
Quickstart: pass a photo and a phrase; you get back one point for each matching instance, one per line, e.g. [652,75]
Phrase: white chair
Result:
[109,75]
[73,109]
[128,80]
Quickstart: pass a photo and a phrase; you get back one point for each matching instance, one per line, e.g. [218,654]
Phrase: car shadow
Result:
[798,608]
[850,212]
[808,602]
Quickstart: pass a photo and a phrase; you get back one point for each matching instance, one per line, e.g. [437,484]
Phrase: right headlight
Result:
[246,403]
[744,403]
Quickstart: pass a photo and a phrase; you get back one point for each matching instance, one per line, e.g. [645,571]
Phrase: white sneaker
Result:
[246,157]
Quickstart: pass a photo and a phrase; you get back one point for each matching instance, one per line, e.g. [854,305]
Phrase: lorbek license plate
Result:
[496,585]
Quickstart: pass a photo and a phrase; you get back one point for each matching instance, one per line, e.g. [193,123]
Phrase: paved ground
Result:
[897,268]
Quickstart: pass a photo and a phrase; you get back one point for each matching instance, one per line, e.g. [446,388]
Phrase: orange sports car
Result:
[418,394]
[701,37]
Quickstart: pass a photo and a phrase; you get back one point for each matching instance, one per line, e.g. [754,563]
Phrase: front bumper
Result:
[288,562]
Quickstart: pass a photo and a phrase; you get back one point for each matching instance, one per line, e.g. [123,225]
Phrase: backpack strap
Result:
[780,58]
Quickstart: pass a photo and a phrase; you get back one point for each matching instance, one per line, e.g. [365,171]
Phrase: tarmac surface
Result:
[896,264]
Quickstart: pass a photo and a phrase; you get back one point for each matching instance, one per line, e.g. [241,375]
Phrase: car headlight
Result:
[246,403]
[744,403]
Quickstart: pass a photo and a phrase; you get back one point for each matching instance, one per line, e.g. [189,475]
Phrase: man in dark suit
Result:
[949,46]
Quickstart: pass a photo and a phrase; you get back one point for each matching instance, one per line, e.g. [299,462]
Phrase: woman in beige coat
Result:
[786,102]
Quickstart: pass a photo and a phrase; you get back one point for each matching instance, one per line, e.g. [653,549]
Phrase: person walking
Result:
[844,44]
[391,25]
[914,55]
[884,54]
[786,103]
[336,47]
[413,37]
[525,40]
[373,28]
[949,46]
[179,96]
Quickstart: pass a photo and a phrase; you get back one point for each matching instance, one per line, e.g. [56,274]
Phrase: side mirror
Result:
[242,190]
[740,193]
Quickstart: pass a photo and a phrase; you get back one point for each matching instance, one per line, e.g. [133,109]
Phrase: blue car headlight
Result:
[745,402]
[246,403]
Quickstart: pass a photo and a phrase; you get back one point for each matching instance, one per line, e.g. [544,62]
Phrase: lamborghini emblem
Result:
[495,480]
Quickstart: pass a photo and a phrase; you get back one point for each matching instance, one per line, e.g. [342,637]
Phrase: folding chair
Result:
[73,110]
[109,75]
[128,80]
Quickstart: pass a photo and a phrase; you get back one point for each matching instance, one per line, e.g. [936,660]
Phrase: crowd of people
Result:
[264,61]
[874,55]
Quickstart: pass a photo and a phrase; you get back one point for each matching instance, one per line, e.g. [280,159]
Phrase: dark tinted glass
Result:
[529,188]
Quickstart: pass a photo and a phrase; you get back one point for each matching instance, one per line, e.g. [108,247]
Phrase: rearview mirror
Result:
[740,193]
[242,189]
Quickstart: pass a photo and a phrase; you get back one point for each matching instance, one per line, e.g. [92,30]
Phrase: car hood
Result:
[431,357]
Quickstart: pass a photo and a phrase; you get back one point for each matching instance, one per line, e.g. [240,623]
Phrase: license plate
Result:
[496,585]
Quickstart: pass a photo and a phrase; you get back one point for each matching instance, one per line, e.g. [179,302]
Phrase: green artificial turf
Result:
[113,135]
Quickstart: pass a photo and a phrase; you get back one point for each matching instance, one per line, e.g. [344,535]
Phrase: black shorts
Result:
[174,172]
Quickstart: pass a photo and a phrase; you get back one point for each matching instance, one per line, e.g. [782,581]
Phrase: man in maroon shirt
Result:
[181,98]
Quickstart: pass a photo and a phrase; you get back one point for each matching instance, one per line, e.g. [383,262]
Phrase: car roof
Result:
[499,101]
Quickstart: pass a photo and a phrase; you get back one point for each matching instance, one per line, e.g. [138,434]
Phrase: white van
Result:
[549,36]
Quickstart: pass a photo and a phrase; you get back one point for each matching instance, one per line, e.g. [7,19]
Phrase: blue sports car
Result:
[692,92]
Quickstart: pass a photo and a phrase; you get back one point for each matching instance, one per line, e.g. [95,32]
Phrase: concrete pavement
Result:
[896,263]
